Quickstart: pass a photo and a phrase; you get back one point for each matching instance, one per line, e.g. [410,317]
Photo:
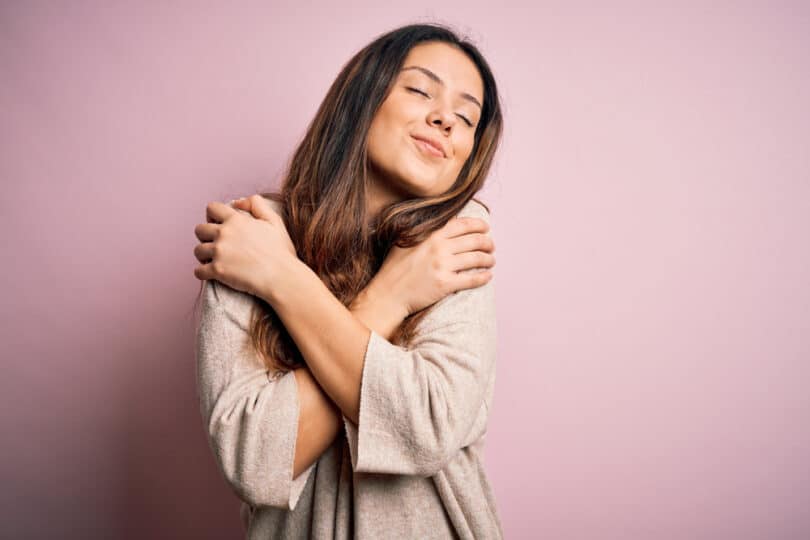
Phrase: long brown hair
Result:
[323,190]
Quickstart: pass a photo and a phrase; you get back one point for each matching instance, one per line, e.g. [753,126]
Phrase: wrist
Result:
[383,298]
[285,278]
[379,310]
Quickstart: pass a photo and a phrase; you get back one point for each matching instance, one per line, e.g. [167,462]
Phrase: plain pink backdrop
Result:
[650,207]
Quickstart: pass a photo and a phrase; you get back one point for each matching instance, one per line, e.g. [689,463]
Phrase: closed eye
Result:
[466,120]
[416,90]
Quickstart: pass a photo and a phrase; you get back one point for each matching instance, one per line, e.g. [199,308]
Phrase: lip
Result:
[433,143]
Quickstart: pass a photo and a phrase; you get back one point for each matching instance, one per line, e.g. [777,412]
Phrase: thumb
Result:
[260,208]
[241,204]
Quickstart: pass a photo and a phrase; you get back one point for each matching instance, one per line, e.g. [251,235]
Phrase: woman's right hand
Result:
[420,276]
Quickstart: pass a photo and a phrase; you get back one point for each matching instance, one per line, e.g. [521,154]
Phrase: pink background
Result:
[651,210]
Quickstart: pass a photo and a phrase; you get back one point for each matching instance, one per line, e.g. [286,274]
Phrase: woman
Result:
[346,348]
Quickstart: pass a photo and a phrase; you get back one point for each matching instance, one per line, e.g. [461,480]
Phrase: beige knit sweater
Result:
[412,468]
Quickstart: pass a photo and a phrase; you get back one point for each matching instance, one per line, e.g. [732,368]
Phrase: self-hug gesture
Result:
[253,253]
[246,252]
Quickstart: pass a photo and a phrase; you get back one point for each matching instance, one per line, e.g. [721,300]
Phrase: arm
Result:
[320,419]
[318,424]
[328,336]
[419,405]
[251,418]
[377,311]
[249,421]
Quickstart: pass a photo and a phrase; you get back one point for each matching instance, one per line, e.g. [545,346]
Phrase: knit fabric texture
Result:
[413,465]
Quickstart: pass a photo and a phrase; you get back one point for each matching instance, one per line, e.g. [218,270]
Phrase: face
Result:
[437,95]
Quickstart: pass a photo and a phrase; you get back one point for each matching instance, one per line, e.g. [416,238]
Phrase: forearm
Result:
[378,311]
[319,419]
[329,336]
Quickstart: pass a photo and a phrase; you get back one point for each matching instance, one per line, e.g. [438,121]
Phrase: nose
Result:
[442,118]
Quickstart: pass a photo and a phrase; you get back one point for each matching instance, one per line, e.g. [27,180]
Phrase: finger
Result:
[463,225]
[204,271]
[472,242]
[260,208]
[242,204]
[207,232]
[472,259]
[470,280]
[204,252]
[217,212]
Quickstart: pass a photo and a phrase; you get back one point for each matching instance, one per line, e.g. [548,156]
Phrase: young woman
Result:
[346,345]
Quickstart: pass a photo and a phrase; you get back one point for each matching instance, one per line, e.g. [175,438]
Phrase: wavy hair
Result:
[323,192]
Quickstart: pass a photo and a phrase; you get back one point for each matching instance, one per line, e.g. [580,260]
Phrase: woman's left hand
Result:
[246,251]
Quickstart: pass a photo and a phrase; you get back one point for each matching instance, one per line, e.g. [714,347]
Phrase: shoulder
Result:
[275,205]
[221,299]
[474,208]
[466,307]
[236,305]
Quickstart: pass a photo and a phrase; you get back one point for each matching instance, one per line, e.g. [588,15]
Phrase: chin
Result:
[419,188]
[415,180]
[420,183]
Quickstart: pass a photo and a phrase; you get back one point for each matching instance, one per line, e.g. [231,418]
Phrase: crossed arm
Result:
[319,419]
[420,405]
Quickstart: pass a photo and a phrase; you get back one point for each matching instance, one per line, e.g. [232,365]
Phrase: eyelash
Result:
[466,120]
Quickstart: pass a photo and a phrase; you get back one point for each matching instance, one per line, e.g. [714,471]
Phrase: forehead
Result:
[452,65]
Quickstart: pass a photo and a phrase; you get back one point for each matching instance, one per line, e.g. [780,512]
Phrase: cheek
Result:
[463,152]
[392,112]
[384,128]
[378,135]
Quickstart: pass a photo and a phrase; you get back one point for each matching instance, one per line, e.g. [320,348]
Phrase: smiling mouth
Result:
[427,149]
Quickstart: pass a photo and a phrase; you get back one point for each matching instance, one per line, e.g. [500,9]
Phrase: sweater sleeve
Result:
[251,414]
[420,405]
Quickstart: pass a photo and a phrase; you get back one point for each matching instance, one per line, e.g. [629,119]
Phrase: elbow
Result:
[245,491]
[433,458]
[255,481]
[259,495]
[437,448]
[251,432]
[442,460]
[431,469]
[250,488]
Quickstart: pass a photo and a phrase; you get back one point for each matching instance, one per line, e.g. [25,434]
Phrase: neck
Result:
[379,195]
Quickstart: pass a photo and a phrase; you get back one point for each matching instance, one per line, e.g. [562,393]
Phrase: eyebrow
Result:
[438,79]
